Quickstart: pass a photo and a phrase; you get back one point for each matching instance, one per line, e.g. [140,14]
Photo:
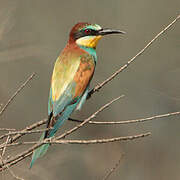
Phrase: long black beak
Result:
[110,31]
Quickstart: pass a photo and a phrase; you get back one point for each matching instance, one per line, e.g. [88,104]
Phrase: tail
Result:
[39,152]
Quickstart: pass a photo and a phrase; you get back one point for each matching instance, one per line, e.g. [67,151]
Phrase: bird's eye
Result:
[87,31]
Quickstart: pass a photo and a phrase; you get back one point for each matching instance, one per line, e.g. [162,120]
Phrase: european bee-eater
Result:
[72,73]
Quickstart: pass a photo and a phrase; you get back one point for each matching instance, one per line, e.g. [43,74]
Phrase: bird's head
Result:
[88,35]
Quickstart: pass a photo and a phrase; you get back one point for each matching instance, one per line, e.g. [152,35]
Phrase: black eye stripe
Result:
[83,33]
[89,31]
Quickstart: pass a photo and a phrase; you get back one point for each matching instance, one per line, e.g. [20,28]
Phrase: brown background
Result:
[32,33]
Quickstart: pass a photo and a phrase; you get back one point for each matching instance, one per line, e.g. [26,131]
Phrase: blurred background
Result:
[32,34]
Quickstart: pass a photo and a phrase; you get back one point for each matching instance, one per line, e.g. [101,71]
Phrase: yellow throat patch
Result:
[88,41]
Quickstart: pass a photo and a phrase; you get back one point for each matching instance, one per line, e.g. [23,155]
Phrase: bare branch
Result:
[114,168]
[1,156]
[24,132]
[4,148]
[7,129]
[15,161]
[11,172]
[129,121]
[14,175]
[99,86]
[28,128]
[29,151]
[16,93]
[83,142]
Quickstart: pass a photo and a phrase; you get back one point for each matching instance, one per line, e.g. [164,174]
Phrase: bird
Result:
[71,77]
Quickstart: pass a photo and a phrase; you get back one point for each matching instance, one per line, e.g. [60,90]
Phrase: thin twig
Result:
[11,172]
[16,93]
[4,149]
[100,85]
[28,128]
[16,161]
[129,121]
[113,168]
[24,132]
[82,142]
[1,156]
[7,129]
[28,152]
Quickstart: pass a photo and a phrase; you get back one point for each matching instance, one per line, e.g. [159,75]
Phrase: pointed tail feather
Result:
[39,152]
